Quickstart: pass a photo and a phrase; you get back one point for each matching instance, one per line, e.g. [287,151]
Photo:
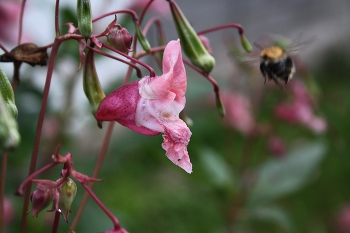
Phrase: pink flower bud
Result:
[120,39]
[40,198]
[276,146]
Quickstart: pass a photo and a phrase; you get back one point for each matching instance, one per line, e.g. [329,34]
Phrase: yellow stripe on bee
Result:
[273,53]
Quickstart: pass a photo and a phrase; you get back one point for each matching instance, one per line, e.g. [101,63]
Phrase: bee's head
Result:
[272,53]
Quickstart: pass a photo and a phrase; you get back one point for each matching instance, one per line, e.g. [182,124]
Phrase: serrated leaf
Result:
[279,177]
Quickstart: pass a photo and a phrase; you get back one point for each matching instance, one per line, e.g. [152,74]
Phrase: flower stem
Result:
[21,22]
[57,29]
[39,131]
[56,221]
[102,206]
[97,169]
[231,25]
[2,188]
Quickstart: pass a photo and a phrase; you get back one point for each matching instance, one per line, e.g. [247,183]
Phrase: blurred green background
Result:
[237,184]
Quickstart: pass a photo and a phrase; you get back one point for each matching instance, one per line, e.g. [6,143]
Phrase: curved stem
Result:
[130,12]
[102,206]
[138,71]
[21,22]
[2,188]
[38,131]
[151,71]
[97,169]
[231,25]
[31,176]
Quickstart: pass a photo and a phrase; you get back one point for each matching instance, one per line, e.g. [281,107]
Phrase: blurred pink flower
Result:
[238,112]
[158,6]
[276,146]
[8,211]
[343,220]
[9,15]
[301,109]
[152,105]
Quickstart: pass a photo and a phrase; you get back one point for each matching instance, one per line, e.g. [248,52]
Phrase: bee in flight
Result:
[276,64]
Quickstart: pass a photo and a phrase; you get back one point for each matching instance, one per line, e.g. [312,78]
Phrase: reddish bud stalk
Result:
[151,71]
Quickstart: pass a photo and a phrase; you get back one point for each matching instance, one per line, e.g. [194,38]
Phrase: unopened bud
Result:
[40,199]
[190,42]
[67,192]
[246,45]
[142,39]
[219,106]
[9,135]
[7,94]
[120,39]
[84,16]
[91,83]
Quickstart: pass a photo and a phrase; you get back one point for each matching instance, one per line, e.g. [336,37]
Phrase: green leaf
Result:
[218,171]
[280,177]
[273,214]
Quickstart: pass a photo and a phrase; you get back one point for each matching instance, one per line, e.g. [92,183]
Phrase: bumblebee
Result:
[276,64]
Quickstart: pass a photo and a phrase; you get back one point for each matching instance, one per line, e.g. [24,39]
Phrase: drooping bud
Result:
[67,192]
[40,198]
[142,39]
[246,45]
[7,94]
[28,52]
[84,16]
[91,83]
[120,39]
[190,42]
[9,135]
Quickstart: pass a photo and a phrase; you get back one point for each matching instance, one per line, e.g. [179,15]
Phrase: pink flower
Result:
[301,110]
[238,112]
[152,105]
[9,13]
[157,6]
[276,146]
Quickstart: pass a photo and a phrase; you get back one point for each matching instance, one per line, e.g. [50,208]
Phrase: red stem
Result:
[2,189]
[34,174]
[102,206]
[56,221]
[38,131]
[151,71]
[97,169]
[21,22]
[143,13]
[231,25]
[57,28]
[138,71]
[130,12]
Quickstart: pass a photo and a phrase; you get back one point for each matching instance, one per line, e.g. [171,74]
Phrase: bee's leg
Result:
[263,71]
[277,83]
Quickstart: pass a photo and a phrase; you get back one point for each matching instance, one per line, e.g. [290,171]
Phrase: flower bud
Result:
[190,42]
[120,39]
[9,135]
[246,45]
[7,94]
[142,39]
[91,83]
[67,192]
[84,16]
[40,199]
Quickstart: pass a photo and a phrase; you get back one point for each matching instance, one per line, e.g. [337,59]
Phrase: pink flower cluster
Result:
[301,109]
[152,105]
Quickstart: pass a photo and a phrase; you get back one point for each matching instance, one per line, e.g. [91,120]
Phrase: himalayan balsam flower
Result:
[152,105]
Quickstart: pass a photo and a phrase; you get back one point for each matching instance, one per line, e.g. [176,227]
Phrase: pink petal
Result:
[120,106]
[175,143]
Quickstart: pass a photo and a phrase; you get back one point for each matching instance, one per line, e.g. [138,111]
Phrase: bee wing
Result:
[294,49]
